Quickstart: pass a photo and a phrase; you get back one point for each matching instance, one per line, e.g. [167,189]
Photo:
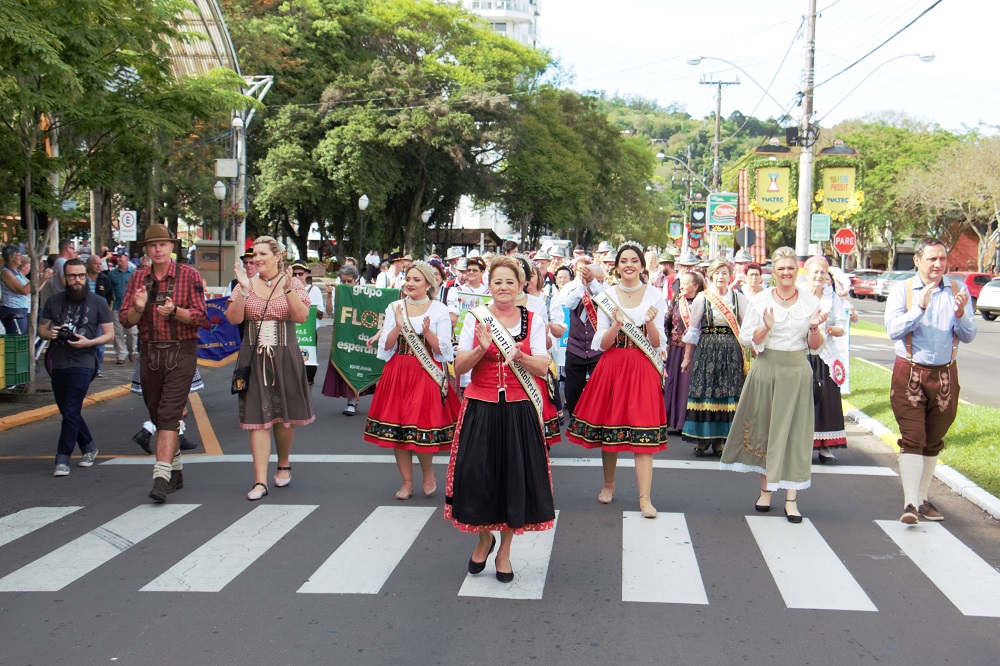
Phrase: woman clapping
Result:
[413,410]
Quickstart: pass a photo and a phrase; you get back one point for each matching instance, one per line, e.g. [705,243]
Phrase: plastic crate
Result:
[16,360]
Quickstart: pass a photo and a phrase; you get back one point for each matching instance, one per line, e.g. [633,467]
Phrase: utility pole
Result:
[716,168]
[807,138]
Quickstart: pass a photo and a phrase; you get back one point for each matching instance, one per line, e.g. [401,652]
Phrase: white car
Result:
[989,300]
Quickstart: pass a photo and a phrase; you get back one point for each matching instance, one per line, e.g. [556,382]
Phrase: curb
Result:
[955,480]
[33,415]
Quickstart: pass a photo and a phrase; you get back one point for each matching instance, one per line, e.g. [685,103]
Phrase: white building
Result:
[517,20]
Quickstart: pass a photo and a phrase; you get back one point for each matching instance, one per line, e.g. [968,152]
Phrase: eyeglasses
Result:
[298,273]
[76,276]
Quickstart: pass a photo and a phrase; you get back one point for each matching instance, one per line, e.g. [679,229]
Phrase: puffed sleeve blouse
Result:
[651,297]
[737,303]
[791,325]
[536,334]
[440,324]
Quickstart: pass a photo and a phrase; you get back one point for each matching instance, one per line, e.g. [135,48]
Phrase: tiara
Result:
[631,244]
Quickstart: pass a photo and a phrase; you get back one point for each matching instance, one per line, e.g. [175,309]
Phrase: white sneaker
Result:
[61,470]
[350,409]
[88,459]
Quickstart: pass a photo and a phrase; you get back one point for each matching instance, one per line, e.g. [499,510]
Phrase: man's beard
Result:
[77,292]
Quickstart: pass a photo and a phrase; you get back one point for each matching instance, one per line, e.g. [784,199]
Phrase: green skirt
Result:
[772,430]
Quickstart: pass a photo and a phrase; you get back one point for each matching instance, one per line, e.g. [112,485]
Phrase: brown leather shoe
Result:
[910,516]
[159,492]
[928,511]
[176,481]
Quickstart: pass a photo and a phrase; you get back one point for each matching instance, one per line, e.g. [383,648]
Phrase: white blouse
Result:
[440,324]
[698,305]
[536,334]
[651,297]
[791,325]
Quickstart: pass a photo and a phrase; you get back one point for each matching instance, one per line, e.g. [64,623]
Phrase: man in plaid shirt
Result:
[167,302]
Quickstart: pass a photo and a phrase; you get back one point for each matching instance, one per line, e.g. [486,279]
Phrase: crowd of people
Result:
[621,346]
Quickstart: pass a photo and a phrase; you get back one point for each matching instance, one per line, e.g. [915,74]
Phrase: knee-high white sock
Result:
[911,468]
[930,462]
[176,464]
[161,470]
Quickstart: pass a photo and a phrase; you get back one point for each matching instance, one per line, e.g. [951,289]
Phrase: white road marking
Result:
[966,579]
[214,565]
[529,558]
[79,557]
[26,521]
[703,465]
[804,567]
[364,562]
[658,560]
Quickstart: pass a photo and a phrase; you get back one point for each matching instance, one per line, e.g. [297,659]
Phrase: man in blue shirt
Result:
[125,338]
[927,316]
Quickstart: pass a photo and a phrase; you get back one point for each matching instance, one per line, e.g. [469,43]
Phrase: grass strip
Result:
[970,445]
[865,325]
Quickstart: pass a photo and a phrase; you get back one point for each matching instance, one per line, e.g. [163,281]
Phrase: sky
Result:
[640,47]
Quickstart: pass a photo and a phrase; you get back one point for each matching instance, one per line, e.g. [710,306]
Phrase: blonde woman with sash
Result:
[621,408]
[675,389]
[498,474]
[714,356]
[414,410]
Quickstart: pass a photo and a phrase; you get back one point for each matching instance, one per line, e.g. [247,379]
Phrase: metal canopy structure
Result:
[207,45]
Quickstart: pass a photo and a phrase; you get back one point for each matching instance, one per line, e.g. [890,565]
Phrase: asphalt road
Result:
[977,361]
[333,570]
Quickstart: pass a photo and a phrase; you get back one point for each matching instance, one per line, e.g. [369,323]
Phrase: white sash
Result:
[508,346]
[420,351]
[633,331]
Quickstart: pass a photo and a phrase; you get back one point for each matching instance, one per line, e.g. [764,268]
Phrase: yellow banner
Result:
[772,188]
[838,189]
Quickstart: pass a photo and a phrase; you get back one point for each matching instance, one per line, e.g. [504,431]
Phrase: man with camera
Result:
[167,302]
[78,322]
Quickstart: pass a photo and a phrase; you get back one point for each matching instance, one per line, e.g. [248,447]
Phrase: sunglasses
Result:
[298,273]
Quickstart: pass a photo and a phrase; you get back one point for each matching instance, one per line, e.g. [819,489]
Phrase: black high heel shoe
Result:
[504,576]
[477,567]
[792,517]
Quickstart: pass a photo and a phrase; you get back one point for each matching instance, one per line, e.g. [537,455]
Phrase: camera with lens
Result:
[67,334]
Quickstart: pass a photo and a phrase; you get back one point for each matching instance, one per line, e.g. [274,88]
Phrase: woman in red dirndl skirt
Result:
[407,413]
[621,408]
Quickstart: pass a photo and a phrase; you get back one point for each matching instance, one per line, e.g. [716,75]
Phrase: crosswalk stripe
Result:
[79,557]
[966,579]
[794,554]
[364,562]
[529,559]
[26,521]
[658,560]
[214,565]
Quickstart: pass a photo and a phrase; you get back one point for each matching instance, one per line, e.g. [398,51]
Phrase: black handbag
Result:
[241,373]
[818,368]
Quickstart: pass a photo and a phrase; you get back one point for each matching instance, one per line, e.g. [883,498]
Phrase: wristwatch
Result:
[173,313]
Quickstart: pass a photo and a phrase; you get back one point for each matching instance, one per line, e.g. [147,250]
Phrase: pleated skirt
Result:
[830,432]
[773,426]
[716,383]
[498,474]
[675,390]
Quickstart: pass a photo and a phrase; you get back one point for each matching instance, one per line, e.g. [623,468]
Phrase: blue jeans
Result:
[69,386]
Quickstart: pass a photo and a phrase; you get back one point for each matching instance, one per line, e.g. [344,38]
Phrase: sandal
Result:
[282,482]
[607,493]
[255,494]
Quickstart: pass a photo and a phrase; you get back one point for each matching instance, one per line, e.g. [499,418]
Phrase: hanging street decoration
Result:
[839,194]
[773,185]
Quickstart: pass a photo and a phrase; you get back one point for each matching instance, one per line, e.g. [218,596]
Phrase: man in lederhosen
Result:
[167,302]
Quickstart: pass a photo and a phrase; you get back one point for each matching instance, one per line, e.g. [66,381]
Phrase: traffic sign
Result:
[127,225]
[746,237]
[819,229]
[844,241]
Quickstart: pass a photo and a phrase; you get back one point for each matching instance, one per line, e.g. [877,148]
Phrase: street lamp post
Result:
[362,206]
[425,217]
[220,193]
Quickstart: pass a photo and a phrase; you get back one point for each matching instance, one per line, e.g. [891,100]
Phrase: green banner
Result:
[306,334]
[468,301]
[358,314]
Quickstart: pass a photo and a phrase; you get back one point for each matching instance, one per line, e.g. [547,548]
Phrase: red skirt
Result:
[550,416]
[407,413]
[621,407]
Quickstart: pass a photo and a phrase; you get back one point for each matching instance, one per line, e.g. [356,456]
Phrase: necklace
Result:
[783,299]
[630,290]
[413,301]
[267,281]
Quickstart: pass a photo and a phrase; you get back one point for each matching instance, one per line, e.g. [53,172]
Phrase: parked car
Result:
[863,282]
[988,302]
[890,280]
[974,282]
